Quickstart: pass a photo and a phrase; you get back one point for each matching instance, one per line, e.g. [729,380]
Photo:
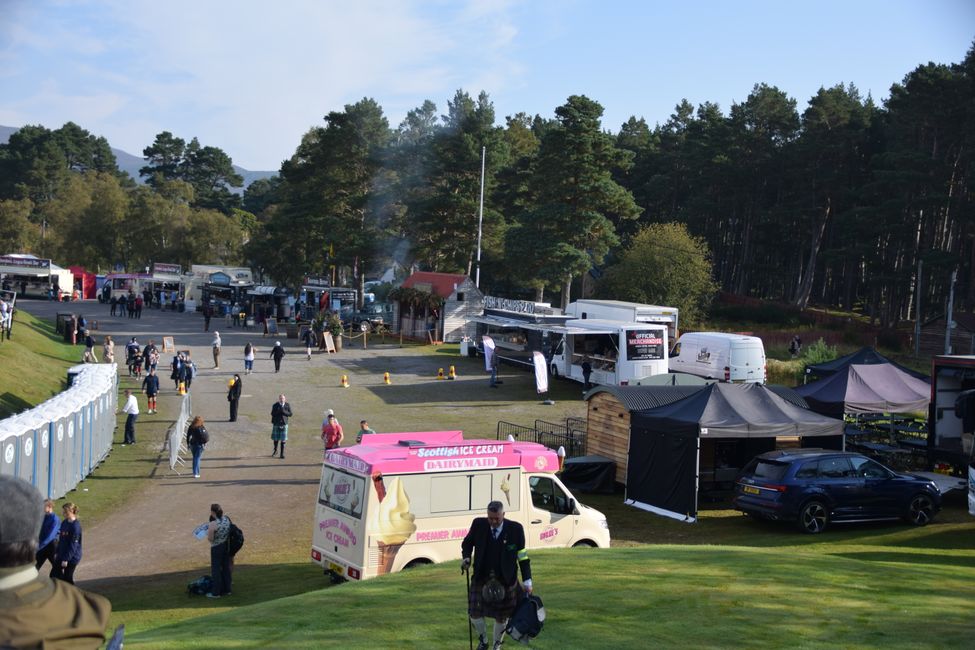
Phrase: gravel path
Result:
[270,498]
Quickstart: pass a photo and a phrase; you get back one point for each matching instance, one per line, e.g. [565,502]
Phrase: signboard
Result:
[24,262]
[316,281]
[329,342]
[172,269]
[644,345]
[271,326]
[169,345]
[507,304]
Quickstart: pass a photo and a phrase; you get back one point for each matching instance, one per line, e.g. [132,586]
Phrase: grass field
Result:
[726,581]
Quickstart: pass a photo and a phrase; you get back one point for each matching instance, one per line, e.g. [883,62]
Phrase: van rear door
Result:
[747,362]
[339,529]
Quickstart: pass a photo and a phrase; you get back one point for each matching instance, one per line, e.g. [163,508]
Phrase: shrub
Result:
[818,352]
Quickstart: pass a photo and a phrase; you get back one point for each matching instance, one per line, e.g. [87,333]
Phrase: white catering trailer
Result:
[619,310]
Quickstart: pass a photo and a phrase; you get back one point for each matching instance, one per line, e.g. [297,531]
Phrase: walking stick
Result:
[467,597]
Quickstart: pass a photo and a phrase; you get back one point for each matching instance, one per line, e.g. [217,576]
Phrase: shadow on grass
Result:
[252,583]
[909,558]
[10,403]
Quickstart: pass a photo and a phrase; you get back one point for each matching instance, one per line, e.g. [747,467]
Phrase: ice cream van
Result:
[402,499]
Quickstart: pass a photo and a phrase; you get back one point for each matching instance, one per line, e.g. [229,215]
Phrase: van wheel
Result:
[412,564]
[584,543]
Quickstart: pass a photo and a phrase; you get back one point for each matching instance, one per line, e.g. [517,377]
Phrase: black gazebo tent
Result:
[877,388]
[663,466]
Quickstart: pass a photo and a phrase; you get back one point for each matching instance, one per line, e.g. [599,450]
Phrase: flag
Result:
[488,352]
[541,372]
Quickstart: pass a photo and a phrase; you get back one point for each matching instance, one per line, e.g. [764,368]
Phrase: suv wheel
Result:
[920,511]
[813,517]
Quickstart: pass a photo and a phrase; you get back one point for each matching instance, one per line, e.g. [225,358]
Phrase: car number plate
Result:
[750,490]
[340,570]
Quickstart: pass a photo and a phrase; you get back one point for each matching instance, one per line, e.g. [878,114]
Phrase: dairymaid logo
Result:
[548,535]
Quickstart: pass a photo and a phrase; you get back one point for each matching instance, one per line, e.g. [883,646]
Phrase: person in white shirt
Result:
[216,350]
[132,409]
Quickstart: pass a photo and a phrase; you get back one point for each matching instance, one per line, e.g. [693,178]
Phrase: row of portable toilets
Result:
[56,444]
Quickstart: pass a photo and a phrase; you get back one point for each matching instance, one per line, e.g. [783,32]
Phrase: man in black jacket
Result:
[280,413]
[499,551]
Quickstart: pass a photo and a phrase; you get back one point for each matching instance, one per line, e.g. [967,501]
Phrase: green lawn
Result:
[35,363]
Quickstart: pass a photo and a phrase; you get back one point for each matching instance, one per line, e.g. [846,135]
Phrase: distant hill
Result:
[132,164]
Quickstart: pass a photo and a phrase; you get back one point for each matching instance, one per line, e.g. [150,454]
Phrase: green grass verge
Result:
[652,596]
[35,363]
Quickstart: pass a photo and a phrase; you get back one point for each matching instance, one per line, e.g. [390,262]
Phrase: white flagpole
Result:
[480,221]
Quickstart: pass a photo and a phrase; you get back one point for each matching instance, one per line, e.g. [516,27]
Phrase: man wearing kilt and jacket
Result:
[499,550]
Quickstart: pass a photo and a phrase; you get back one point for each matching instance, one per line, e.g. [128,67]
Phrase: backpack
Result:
[200,587]
[235,539]
[527,621]
[204,435]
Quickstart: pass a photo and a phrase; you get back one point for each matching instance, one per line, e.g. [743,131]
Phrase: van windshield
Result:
[342,491]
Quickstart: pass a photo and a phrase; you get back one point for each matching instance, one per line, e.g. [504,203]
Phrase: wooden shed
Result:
[609,409]
[962,335]
[462,303]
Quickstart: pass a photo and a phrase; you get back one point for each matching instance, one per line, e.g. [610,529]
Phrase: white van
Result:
[717,355]
[620,353]
[401,499]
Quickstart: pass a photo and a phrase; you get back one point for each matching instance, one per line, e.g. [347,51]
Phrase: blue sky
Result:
[252,76]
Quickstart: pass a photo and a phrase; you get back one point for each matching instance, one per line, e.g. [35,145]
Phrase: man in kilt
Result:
[499,550]
[280,413]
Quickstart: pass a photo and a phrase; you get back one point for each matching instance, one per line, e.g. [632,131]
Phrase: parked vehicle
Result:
[401,499]
[619,310]
[371,316]
[950,436]
[619,353]
[718,355]
[816,487]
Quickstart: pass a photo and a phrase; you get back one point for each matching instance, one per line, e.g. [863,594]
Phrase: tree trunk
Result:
[566,292]
[809,272]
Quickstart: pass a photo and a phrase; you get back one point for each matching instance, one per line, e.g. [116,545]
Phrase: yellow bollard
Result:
[182,388]
[440,373]
[345,381]
[386,378]
[452,374]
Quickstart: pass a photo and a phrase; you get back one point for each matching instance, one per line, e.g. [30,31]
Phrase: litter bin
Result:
[464,347]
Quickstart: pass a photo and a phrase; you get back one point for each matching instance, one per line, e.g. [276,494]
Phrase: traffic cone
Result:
[452,374]
[182,388]
[386,378]
[345,381]
[440,373]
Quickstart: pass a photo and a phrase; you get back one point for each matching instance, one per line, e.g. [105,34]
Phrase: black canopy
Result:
[862,357]
[877,388]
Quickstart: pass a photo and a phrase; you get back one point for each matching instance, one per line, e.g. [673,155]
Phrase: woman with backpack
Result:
[249,351]
[196,438]
[218,531]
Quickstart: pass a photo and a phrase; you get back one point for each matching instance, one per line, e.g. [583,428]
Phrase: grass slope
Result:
[651,596]
[35,362]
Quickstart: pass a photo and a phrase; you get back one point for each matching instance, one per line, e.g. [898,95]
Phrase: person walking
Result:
[310,339]
[177,368]
[108,350]
[586,372]
[149,352]
[215,344]
[67,556]
[249,352]
[138,306]
[217,533]
[364,430]
[131,409]
[499,551]
[47,543]
[277,353]
[233,396]
[280,413]
[113,302]
[494,369]
[150,386]
[332,434]
[197,438]
[122,306]
[89,356]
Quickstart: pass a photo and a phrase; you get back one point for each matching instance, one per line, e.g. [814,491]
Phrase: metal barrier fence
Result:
[176,436]
[58,443]
[551,434]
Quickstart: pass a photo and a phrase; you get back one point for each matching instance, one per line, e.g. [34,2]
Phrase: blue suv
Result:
[815,487]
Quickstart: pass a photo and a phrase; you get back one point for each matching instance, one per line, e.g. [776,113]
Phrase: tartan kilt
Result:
[279,433]
[501,610]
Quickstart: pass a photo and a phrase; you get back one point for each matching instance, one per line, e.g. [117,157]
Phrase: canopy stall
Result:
[878,388]
[664,460]
[862,357]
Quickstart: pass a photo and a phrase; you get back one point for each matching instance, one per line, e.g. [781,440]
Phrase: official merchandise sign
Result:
[645,345]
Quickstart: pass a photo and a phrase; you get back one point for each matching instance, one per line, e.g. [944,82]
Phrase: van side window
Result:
[676,351]
[548,496]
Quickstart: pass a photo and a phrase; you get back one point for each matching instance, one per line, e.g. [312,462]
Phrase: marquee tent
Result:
[878,388]
[862,357]
[663,471]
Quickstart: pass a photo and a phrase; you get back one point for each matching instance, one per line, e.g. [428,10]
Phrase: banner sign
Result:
[315,281]
[646,345]
[169,269]
[541,372]
[25,262]
[488,352]
[507,304]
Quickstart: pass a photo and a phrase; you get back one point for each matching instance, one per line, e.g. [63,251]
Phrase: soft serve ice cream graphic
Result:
[393,523]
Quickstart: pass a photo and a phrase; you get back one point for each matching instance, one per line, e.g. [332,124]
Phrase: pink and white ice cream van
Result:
[402,499]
